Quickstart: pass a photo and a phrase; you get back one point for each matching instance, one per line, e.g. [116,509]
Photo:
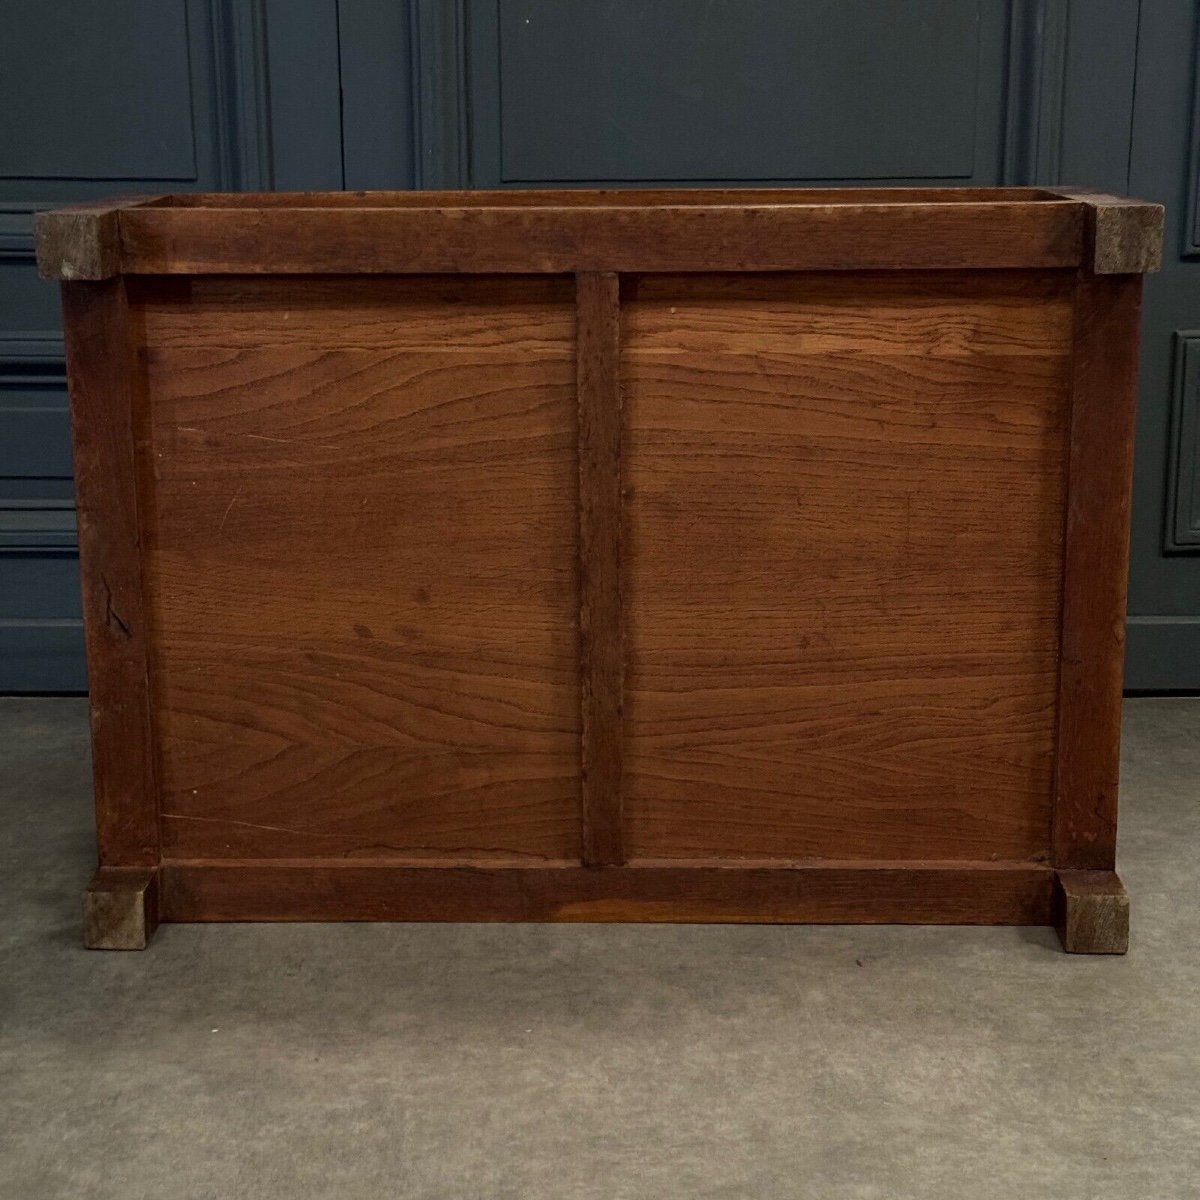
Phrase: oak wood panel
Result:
[106,404]
[843,564]
[912,893]
[528,596]
[1104,397]
[602,657]
[722,236]
[361,566]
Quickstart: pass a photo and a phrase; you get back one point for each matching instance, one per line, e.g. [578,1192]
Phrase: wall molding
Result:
[16,228]
[241,90]
[32,349]
[33,524]
[441,110]
[37,527]
[1181,533]
[1036,82]
[1190,234]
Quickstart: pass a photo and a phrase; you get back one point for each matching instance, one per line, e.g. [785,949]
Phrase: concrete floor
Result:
[594,1061]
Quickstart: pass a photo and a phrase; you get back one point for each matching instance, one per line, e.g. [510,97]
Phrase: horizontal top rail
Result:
[561,231]
[606,197]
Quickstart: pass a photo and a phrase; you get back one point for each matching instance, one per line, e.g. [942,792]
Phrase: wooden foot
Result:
[120,908]
[1092,912]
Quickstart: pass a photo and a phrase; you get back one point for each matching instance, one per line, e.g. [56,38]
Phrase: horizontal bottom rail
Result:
[876,893]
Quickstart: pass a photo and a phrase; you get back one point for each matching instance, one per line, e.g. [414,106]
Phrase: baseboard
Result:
[1162,654]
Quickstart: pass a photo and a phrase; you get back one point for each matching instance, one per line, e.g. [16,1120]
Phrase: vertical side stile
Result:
[101,373]
[602,648]
[1095,570]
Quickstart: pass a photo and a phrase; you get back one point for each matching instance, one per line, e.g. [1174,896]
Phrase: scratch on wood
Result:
[228,510]
[240,824]
[111,616]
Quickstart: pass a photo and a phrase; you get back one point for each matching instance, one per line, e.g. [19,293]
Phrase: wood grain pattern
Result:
[844,561]
[1096,570]
[361,564]
[650,555]
[602,657]
[770,235]
[106,401]
[912,893]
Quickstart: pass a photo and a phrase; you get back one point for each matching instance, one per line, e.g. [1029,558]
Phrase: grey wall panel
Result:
[303,94]
[34,436]
[41,631]
[1161,653]
[29,306]
[740,90]
[404,106]
[96,91]
[626,90]
[160,95]
[1164,586]
[1098,94]
[378,115]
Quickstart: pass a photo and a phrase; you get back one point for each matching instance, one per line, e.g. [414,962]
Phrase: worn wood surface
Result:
[82,241]
[1122,236]
[544,594]
[602,660]
[1096,568]
[120,909]
[520,237]
[1092,912]
[915,893]
[361,555]
[107,405]
[842,590]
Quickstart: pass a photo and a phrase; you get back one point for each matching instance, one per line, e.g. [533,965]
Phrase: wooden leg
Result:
[120,908]
[1092,912]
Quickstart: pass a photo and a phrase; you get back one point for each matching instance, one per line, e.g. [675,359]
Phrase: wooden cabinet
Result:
[692,556]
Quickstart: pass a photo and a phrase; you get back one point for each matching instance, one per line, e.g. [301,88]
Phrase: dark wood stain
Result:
[602,662]
[865,892]
[106,397]
[843,591]
[1104,397]
[589,231]
[332,458]
[682,556]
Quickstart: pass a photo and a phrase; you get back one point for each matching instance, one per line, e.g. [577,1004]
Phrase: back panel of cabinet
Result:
[845,506]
